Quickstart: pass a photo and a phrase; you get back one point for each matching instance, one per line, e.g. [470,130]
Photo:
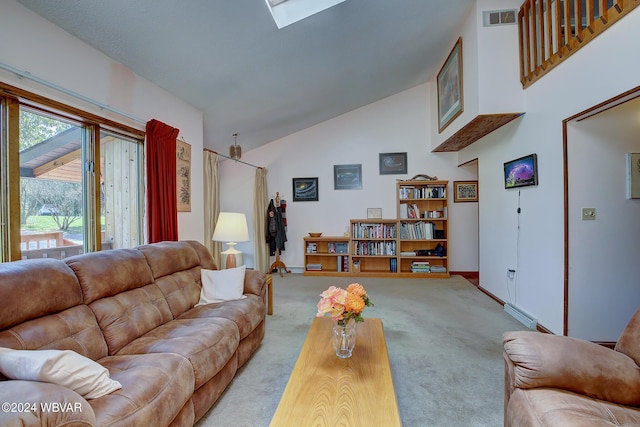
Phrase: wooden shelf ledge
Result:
[480,126]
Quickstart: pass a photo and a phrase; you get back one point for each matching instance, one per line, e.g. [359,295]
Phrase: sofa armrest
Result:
[579,366]
[255,282]
[32,403]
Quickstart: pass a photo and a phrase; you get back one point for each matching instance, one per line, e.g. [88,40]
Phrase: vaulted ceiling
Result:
[228,58]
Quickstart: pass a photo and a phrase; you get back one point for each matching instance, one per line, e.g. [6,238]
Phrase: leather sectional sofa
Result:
[561,381]
[135,312]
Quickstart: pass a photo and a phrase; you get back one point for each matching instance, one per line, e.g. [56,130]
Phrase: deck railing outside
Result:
[551,30]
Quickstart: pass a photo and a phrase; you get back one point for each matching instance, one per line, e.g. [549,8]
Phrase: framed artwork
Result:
[450,100]
[521,172]
[393,163]
[305,189]
[347,177]
[183,171]
[633,175]
[465,191]
[374,213]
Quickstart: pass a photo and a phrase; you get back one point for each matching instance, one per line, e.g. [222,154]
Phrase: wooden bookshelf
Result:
[405,246]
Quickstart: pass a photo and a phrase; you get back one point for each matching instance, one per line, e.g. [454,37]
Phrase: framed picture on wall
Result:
[393,163]
[305,189]
[633,175]
[347,177]
[450,100]
[465,191]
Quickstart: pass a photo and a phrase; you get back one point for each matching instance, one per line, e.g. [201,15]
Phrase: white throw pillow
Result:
[63,367]
[222,285]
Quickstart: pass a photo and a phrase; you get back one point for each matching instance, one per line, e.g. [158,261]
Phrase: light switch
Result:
[588,214]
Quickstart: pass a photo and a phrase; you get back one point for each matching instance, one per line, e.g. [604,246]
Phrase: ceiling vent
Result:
[492,18]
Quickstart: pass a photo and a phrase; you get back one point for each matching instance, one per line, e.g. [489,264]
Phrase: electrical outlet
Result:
[588,214]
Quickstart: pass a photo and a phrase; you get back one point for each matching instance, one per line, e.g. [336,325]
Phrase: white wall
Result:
[490,70]
[603,255]
[399,123]
[49,53]
[597,72]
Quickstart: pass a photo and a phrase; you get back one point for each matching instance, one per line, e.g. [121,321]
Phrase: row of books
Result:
[417,230]
[342,264]
[412,211]
[425,267]
[420,267]
[373,231]
[375,248]
[439,192]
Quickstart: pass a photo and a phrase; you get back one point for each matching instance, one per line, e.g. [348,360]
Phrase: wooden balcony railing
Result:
[551,30]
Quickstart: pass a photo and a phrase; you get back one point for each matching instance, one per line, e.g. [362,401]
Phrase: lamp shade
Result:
[231,227]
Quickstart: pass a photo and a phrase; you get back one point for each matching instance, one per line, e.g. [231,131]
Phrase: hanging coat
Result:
[275,229]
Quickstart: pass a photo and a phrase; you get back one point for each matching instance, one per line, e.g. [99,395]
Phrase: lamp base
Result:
[231,258]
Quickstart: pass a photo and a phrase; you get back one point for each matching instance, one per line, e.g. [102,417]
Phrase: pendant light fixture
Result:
[235,151]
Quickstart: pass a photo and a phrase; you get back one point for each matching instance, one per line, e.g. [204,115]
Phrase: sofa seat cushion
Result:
[207,343]
[247,313]
[553,407]
[155,387]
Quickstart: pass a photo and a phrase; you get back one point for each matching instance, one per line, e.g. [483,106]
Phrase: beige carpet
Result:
[444,339]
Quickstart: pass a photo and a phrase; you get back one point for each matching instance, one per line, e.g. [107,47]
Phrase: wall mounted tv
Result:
[521,172]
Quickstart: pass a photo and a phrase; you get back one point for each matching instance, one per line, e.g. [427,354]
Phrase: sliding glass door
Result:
[76,186]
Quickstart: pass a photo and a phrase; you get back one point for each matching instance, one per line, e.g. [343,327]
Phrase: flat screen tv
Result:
[521,172]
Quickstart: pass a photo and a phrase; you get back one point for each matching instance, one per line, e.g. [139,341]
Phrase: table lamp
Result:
[231,228]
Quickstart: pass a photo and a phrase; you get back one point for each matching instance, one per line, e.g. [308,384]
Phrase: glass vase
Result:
[343,339]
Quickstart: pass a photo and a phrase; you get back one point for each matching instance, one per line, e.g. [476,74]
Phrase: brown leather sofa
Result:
[132,311]
[554,380]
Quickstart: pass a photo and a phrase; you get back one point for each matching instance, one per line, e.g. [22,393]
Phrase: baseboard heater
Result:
[522,317]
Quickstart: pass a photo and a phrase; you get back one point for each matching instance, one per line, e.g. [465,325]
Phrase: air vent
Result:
[492,18]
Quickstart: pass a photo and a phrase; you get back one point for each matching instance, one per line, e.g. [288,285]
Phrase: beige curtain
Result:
[211,202]
[260,204]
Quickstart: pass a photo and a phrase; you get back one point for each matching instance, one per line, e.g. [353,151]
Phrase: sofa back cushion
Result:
[176,270]
[74,329]
[130,314]
[629,341]
[107,273]
[35,288]
[118,286]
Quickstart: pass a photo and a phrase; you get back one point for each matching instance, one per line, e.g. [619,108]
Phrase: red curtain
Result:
[162,201]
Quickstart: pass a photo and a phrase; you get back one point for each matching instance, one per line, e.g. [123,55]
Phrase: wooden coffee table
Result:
[324,390]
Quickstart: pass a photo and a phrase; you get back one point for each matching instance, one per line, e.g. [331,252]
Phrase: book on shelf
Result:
[438,269]
[314,267]
[312,248]
[420,267]
[393,265]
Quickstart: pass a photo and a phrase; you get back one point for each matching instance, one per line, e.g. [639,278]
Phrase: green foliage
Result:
[64,197]
[35,128]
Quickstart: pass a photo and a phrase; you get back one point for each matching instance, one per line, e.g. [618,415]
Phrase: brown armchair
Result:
[554,380]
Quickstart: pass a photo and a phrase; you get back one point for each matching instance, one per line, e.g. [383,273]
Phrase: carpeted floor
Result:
[444,339]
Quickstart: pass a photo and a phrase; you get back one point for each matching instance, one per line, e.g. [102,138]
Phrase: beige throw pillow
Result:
[222,285]
[63,367]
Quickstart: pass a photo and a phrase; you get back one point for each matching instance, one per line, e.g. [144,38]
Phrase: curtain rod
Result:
[25,74]
[231,158]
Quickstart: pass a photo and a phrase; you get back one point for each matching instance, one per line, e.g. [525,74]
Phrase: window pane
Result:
[121,191]
[51,213]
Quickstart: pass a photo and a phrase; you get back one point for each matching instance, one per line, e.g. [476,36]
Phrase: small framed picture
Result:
[465,191]
[633,175]
[305,189]
[347,177]
[374,213]
[393,163]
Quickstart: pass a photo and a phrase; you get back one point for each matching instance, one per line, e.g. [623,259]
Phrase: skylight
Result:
[287,12]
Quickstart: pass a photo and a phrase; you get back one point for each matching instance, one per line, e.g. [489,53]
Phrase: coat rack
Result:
[278,264]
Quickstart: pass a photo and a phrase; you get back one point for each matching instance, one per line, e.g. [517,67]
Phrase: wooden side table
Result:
[269,294]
